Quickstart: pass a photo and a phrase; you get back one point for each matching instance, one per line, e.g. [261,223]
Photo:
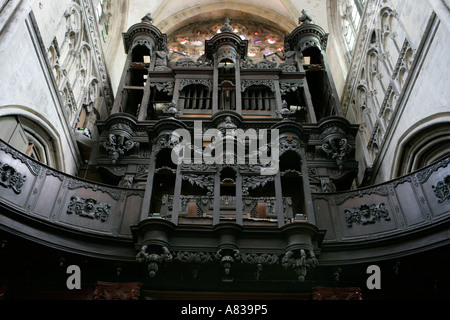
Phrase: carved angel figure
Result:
[162,58]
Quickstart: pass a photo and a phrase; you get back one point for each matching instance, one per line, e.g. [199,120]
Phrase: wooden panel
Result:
[324,293]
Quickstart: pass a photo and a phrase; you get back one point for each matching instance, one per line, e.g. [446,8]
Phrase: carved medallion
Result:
[10,178]
[88,208]
[442,189]
[366,214]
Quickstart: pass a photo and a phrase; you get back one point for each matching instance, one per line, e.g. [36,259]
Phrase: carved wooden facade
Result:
[225,222]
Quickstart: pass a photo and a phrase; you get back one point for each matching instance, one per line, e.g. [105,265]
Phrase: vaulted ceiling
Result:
[173,16]
[170,15]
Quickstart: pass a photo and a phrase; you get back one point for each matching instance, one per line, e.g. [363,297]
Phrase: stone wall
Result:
[397,83]
[53,72]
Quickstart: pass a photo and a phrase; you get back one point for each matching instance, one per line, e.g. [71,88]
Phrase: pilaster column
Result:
[177,195]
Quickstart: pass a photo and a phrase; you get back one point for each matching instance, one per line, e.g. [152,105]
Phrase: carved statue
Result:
[148,18]
[172,111]
[305,18]
[203,61]
[162,58]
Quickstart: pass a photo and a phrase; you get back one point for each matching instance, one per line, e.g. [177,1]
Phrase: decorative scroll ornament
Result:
[154,257]
[205,82]
[366,214]
[289,144]
[301,261]
[259,260]
[89,208]
[203,181]
[248,83]
[117,145]
[186,63]
[227,257]
[194,259]
[285,87]
[32,165]
[253,182]
[442,189]
[10,178]
[338,149]
[165,142]
[166,87]
[264,64]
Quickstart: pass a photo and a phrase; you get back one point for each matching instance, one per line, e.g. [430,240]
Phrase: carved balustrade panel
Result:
[399,206]
[31,188]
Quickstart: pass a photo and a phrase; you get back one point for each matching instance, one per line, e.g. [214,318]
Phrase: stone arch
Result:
[422,144]
[39,130]
[220,9]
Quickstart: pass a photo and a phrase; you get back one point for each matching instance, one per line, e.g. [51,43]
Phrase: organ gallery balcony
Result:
[77,215]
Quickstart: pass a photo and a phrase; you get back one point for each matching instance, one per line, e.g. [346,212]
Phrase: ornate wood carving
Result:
[366,214]
[194,259]
[117,291]
[32,165]
[287,144]
[442,189]
[227,257]
[252,182]
[89,208]
[167,87]
[285,87]
[300,261]
[259,259]
[203,181]
[154,257]
[206,82]
[117,145]
[323,293]
[337,150]
[185,63]
[10,178]
[423,175]
[248,83]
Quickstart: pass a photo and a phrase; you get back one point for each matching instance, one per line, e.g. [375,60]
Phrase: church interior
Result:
[203,149]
